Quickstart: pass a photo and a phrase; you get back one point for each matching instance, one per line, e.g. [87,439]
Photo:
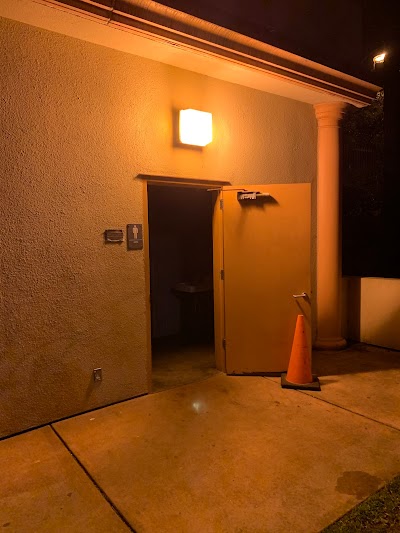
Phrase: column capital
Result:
[329,114]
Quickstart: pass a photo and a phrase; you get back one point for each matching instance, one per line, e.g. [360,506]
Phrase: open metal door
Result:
[266,264]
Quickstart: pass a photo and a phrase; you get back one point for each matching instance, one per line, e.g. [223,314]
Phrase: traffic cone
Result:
[299,374]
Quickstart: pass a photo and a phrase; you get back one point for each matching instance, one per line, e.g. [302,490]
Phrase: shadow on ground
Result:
[356,359]
[176,363]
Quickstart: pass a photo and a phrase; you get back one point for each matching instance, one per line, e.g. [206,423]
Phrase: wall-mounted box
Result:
[114,235]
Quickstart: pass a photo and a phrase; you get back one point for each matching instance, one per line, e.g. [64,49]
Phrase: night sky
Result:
[341,34]
[344,35]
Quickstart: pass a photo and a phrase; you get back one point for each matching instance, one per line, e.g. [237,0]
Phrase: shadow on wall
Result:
[351,308]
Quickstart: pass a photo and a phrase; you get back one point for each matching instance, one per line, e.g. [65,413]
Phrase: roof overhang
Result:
[148,29]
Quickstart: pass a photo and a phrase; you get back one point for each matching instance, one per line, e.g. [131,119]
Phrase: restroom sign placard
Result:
[134,236]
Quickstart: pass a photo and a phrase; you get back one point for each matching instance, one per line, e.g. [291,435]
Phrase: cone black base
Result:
[314,385]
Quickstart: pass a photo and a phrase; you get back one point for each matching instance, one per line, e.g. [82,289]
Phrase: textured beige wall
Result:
[372,306]
[79,123]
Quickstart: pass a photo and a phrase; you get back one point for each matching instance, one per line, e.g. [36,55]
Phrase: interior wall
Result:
[180,233]
[79,123]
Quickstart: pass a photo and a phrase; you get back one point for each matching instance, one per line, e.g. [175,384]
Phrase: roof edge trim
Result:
[162,23]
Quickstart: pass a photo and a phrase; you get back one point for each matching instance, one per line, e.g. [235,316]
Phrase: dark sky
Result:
[338,33]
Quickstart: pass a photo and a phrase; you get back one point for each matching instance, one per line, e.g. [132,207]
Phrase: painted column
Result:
[329,271]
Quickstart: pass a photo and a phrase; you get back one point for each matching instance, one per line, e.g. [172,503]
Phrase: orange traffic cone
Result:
[299,374]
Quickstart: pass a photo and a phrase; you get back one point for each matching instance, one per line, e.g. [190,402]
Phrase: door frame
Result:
[217,235]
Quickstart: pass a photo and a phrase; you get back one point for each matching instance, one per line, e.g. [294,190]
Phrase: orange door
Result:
[266,262]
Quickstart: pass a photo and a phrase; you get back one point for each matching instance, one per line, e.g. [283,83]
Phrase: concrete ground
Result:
[177,363]
[225,454]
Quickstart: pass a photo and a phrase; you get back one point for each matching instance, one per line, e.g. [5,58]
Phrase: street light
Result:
[379,59]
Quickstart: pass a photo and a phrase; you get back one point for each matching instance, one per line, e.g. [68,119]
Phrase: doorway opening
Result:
[181,284]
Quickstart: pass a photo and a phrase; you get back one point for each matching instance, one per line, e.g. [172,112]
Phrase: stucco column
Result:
[329,271]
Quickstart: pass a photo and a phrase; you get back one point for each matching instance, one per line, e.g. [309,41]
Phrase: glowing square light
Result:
[195,127]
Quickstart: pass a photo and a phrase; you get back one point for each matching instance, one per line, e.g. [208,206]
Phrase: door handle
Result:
[302,295]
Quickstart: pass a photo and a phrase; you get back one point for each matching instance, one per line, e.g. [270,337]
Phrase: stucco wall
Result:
[79,122]
[372,310]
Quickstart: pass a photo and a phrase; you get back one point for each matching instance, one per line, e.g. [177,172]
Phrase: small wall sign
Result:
[114,235]
[134,236]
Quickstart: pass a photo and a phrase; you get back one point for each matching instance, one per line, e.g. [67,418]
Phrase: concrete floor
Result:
[226,454]
[175,363]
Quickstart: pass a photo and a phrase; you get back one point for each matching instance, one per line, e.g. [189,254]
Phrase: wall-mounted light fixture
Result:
[195,127]
[379,58]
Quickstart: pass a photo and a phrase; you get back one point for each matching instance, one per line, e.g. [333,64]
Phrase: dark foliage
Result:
[362,173]
[380,512]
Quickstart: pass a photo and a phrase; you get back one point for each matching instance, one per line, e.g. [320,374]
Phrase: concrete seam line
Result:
[339,407]
[353,412]
[102,492]
[92,410]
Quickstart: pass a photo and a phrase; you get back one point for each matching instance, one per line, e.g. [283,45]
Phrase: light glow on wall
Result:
[195,127]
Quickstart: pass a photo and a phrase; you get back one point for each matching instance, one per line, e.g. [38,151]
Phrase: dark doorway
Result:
[181,285]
